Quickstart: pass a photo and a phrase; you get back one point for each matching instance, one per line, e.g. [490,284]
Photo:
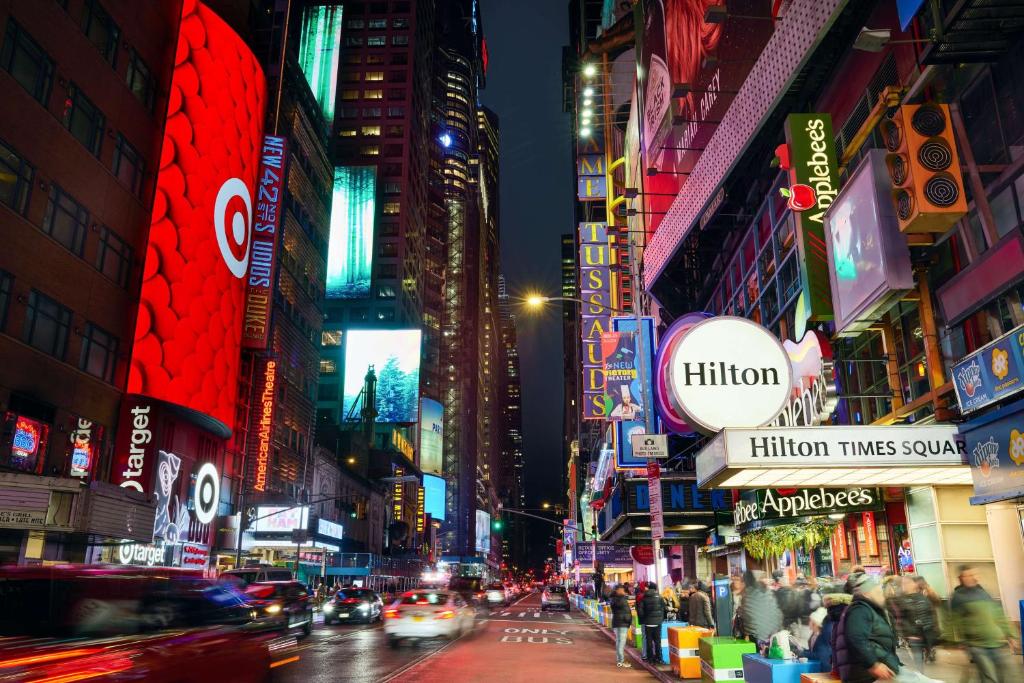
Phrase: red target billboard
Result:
[189,327]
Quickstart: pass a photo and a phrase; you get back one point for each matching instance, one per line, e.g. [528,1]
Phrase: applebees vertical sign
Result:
[812,164]
[265,229]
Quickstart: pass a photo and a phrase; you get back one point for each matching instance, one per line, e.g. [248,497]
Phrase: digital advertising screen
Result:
[319,46]
[395,358]
[431,435]
[189,326]
[434,490]
[350,243]
[483,531]
[281,519]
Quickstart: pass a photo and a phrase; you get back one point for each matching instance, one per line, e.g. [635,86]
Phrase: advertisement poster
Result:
[431,436]
[319,48]
[434,489]
[350,242]
[483,531]
[991,373]
[621,376]
[625,428]
[394,356]
[189,326]
[995,452]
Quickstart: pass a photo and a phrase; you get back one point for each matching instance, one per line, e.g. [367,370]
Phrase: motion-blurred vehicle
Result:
[428,614]
[352,605]
[554,597]
[496,594]
[283,605]
[471,588]
[154,624]
[246,575]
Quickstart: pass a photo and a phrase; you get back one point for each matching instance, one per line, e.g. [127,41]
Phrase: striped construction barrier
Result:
[684,651]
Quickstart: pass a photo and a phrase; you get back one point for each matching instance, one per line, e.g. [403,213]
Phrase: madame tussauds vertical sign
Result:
[813,164]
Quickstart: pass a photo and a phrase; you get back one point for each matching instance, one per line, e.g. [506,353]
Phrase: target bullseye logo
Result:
[233,235]
[207,493]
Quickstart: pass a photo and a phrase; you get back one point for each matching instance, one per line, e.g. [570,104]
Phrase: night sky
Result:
[524,87]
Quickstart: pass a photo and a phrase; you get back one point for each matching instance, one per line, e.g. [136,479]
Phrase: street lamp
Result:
[537,301]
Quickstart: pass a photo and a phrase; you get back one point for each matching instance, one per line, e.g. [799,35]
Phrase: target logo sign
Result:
[231,224]
[207,493]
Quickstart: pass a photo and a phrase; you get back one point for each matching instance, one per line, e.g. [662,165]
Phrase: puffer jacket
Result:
[622,615]
[821,648]
[760,613]
[864,637]
[651,609]
[918,614]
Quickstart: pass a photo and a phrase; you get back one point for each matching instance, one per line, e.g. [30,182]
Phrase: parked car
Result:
[247,575]
[353,604]
[154,624]
[554,597]
[283,605]
[496,594]
[428,614]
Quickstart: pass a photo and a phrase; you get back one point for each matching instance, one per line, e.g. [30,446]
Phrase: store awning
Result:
[865,455]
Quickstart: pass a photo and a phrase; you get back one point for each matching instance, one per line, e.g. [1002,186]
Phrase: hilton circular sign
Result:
[729,372]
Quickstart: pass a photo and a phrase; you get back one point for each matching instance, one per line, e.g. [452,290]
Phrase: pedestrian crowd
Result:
[854,628]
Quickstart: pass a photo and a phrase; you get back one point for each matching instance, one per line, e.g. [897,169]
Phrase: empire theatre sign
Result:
[731,378]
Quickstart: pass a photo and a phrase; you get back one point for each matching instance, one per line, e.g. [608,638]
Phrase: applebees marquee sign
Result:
[761,507]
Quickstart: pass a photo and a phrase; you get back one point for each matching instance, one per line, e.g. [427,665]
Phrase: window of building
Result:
[354,41]
[353,58]
[372,112]
[392,150]
[331,337]
[386,292]
[360,314]
[395,131]
[28,64]
[373,94]
[374,59]
[378,7]
[387,271]
[114,257]
[396,112]
[391,208]
[347,133]
[355,24]
[348,113]
[400,58]
[399,23]
[66,220]
[350,94]
[83,119]
[101,30]
[139,79]
[376,41]
[388,249]
[328,367]
[373,131]
[400,40]
[396,93]
[386,314]
[375,75]
[6,285]
[15,179]
[388,229]
[128,165]
[327,392]
[370,150]
[99,353]
[351,77]
[392,188]
[378,23]
[47,324]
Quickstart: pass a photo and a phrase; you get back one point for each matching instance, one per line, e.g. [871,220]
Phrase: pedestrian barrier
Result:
[638,633]
[665,626]
[721,658]
[684,655]
[823,677]
[758,669]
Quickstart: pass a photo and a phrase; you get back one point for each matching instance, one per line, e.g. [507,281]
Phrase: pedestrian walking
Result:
[980,622]
[622,619]
[920,621]
[759,612]
[865,640]
[650,611]
[700,607]
[821,638]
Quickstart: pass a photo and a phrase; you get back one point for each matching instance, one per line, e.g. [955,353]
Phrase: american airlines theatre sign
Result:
[731,378]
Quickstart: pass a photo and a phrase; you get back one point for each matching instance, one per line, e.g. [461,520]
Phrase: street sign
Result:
[654,496]
[649,445]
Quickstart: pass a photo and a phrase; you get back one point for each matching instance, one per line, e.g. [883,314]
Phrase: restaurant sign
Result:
[769,507]
[991,373]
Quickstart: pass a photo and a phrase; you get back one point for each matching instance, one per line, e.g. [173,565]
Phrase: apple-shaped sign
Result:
[800,197]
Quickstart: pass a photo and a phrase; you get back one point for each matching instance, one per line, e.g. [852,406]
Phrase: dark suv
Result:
[282,604]
[353,604]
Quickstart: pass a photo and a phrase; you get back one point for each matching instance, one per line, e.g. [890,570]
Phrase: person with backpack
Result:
[650,611]
[759,612]
[865,640]
[920,621]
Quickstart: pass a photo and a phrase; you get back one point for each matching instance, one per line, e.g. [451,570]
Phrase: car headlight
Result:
[273,609]
[328,607]
[363,607]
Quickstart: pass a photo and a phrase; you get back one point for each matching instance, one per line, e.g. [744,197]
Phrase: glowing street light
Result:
[588,92]
[589,70]
[445,140]
[585,132]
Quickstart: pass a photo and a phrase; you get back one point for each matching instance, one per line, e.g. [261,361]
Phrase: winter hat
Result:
[864,583]
[830,599]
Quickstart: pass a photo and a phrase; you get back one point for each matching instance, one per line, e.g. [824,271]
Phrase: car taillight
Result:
[391,614]
[444,614]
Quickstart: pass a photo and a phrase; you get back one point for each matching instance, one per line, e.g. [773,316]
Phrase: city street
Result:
[515,644]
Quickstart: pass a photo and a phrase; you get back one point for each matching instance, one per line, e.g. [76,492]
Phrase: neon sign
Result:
[421,500]
[27,437]
[256,328]
[397,491]
[83,446]
[265,425]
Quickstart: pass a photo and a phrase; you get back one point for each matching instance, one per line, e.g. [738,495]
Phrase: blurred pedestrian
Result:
[823,626]
[920,621]
[650,611]
[865,641]
[668,594]
[622,619]
[851,578]
[684,602]
[700,607]
[980,622]
[759,610]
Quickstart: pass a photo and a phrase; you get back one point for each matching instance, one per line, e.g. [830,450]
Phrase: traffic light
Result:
[497,525]
[924,168]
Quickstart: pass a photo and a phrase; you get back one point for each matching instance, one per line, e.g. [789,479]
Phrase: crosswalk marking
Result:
[567,616]
[522,614]
[505,614]
[536,614]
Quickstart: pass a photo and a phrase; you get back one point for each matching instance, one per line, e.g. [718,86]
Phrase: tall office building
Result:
[510,488]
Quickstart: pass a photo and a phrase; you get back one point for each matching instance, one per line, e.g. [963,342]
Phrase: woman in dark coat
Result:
[821,644]
[622,619]
[865,641]
[919,619]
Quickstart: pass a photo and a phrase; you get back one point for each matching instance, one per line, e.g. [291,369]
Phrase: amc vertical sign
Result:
[265,229]
[596,291]
[813,164]
[591,180]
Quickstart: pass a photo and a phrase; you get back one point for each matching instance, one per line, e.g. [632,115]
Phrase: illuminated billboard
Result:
[434,489]
[431,435]
[483,531]
[350,245]
[189,326]
[319,45]
[281,519]
[394,356]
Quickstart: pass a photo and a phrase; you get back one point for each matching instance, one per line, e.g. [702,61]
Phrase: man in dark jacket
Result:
[699,609]
[622,619]
[650,610]
[865,641]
